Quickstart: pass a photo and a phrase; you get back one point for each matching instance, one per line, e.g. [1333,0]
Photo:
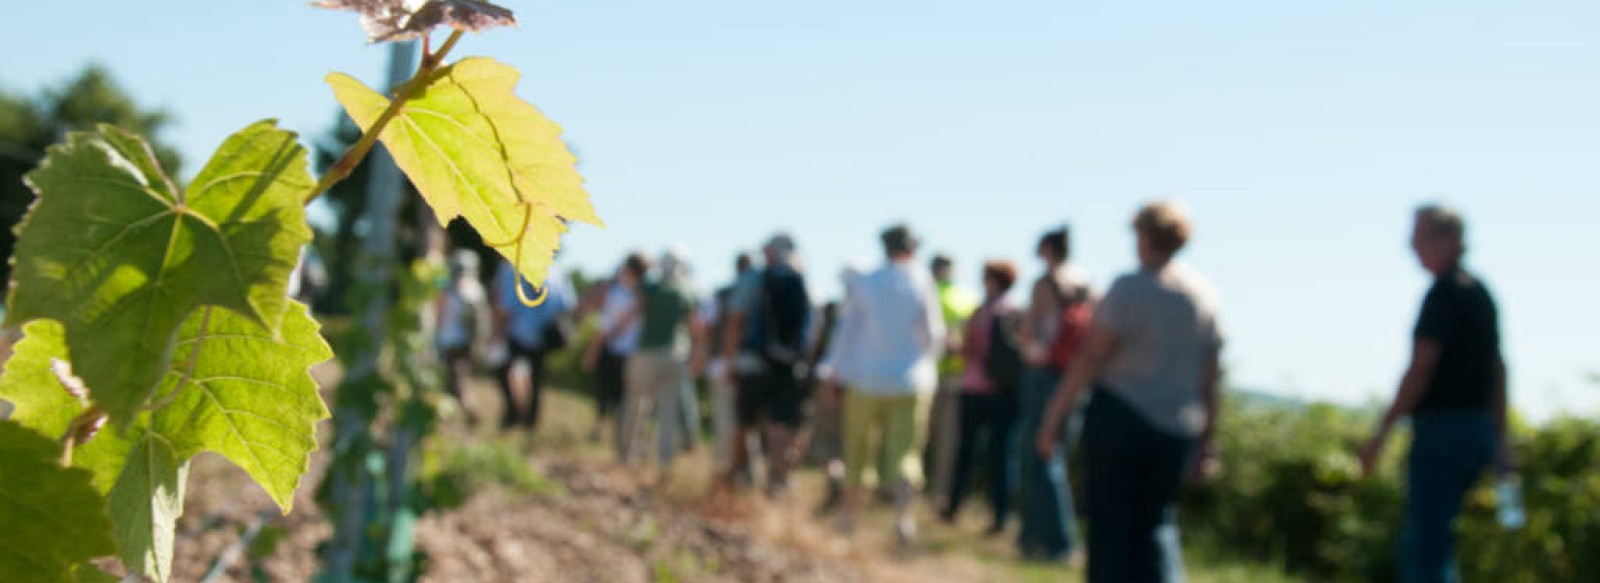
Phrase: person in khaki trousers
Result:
[670,341]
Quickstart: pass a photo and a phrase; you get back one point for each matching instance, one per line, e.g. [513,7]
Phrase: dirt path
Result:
[606,524]
[607,528]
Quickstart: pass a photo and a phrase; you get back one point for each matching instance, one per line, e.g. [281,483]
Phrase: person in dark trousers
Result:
[607,354]
[529,334]
[764,343]
[1151,358]
[1049,524]
[1454,391]
[988,395]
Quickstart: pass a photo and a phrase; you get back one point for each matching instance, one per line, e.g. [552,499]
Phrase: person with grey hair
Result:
[1454,391]
[670,332]
[764,340]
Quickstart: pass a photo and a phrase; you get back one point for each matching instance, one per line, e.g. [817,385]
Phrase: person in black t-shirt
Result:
[1455,393]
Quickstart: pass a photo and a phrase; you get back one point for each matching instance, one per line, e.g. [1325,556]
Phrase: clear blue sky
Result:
[1301,133]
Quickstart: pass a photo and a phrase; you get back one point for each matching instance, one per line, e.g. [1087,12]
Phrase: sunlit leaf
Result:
[53,519]
[249,396]
[41,403]
[117,255]
[145,503]
[476,150]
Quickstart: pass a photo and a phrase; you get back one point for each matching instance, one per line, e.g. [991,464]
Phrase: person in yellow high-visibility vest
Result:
[957,304]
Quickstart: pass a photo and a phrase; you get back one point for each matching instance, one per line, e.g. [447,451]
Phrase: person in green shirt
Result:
[956,303]
[670,343]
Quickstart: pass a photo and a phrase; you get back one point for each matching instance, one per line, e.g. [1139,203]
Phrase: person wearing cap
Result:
[764,340]
[956,303]
[1454,391]
[670,330]
[883,359]
[1152,360]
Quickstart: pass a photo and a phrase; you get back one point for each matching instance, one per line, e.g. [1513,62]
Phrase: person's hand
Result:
[1045,442]
[730,371]
[1035,355]
[1369,455]
[1206,467]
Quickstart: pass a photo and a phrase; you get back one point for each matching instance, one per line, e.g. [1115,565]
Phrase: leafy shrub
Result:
[1291,494]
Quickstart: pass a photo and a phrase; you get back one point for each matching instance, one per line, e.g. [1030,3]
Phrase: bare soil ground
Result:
[607,524]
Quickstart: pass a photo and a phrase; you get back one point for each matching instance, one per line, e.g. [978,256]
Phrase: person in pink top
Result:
[993,367]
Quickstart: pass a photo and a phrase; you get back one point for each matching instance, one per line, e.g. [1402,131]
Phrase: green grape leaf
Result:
[42,404]
[54,520]
[249,396]
[118,255]
[476,150]
[145,505]
[245,394]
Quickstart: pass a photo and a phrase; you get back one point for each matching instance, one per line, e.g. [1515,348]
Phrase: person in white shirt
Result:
[883,359]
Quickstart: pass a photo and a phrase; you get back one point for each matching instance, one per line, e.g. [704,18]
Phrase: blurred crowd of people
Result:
[910,384]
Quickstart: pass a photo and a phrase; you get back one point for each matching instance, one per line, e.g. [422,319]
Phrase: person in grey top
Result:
[1152,359]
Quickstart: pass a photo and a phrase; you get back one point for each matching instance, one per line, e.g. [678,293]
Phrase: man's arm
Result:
[1041,302]
[697,342]
[933,328]
[732,326]
[1501,410]
[591,355]
[1211,398]
[843,343]
[1085,369]
[737,307]
[1424,359]
[501,316]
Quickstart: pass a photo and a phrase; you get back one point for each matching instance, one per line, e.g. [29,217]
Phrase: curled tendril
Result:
[516,264]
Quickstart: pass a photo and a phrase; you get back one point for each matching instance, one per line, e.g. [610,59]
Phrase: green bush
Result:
[1291,494]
